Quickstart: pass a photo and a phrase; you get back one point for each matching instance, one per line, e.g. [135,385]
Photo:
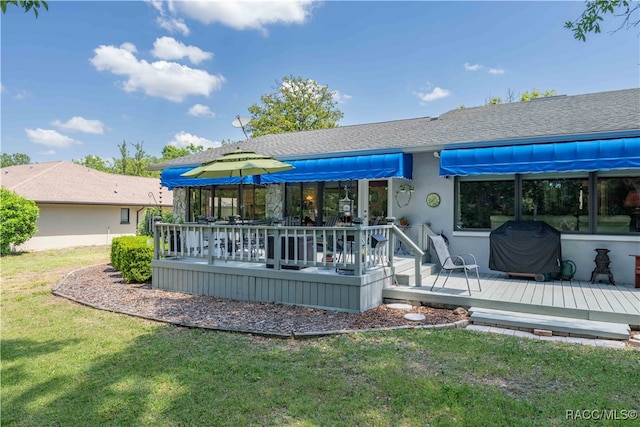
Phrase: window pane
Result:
[254,198]
[563,203]
[377,199]
[484,204]
[618,205]
[293,201]
[124,216]
[225,201]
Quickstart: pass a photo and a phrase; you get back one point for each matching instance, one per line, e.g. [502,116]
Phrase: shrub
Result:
[132,255]
[18,218]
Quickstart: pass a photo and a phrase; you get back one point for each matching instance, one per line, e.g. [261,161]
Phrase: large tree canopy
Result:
[297,104]
[15,159]
[27,5]
[594,12]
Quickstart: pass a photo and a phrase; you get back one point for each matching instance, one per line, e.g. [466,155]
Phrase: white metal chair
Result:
[450,263]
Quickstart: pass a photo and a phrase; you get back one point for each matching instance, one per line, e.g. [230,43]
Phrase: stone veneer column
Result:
[274,201]
[180,204]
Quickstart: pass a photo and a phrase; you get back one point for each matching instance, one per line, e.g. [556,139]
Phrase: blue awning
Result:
[608,154]
[171,178]
[375,166]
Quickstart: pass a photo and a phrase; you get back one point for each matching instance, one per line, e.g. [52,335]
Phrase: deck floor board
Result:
[579,298]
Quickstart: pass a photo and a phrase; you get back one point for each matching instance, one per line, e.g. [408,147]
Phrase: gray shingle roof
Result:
[69,183]
[560,117]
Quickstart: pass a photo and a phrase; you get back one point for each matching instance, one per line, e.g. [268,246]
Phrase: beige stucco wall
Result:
[62,226]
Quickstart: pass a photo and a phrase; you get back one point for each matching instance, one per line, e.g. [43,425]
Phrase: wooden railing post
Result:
[156,241]
[277,247]
[356,246]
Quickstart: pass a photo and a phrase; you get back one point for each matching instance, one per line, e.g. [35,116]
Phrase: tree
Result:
[524,97]
[170,152]
[18,218]
[25,4]
[95,162]
[494,100]
[297,104]
[136,165]
[15,159]
[594,12]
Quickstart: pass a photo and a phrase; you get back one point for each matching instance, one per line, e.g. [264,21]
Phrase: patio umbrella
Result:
[238,164]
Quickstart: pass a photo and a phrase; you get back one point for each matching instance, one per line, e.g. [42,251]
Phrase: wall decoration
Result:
[433,200]
[403,195]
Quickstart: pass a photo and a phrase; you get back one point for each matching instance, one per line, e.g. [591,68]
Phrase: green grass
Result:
[66,364]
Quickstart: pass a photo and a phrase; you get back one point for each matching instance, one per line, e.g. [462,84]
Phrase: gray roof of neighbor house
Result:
[69,183]
[557,118]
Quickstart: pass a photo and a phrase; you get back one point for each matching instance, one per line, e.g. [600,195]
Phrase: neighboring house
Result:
[573,161]
[80,206]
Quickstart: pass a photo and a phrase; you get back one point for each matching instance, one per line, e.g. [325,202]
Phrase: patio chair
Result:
[331,221]
[450,263]
[328,244]
[290,221]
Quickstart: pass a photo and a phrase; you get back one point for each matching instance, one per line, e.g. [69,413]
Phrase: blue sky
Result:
[85,76]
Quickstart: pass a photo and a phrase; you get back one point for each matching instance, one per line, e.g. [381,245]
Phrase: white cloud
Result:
[171,24]
[340,98]
[243,15]
[80,124]
[170,48]
[50,138]
[436,93]
[183,139]
[163,79]
[200,110]
[474,67]
[21,94]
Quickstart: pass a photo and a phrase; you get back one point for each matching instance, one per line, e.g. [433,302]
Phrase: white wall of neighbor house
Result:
[62,226]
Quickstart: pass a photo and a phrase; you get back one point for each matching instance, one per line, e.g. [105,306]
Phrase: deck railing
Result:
[352,250]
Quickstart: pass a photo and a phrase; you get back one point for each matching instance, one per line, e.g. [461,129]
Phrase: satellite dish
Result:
[241,122]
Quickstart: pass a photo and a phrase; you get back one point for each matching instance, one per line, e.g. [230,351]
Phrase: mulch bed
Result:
[102,287]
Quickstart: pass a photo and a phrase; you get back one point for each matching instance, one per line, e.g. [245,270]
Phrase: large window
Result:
[607,202]
[314,203]
[484,204]
[563,203]
[618,204]
[223,201]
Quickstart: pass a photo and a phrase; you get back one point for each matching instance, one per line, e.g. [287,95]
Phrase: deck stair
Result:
[563,326]
[405,271]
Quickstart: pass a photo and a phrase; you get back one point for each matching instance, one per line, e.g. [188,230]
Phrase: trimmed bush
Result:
[18,218]
[132,255]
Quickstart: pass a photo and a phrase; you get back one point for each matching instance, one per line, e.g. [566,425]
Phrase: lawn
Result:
[66,364]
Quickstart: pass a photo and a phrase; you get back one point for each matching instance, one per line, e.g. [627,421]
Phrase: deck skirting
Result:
[310,287]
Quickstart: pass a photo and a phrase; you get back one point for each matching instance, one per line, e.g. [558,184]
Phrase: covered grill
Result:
[526,248]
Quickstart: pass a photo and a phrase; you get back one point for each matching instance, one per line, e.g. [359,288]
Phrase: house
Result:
[80,206]
[572,161]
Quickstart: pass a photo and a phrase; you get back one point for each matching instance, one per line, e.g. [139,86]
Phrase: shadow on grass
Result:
[179,376]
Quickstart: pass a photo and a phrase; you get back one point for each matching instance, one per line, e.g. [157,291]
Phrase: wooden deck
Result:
[577,299]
